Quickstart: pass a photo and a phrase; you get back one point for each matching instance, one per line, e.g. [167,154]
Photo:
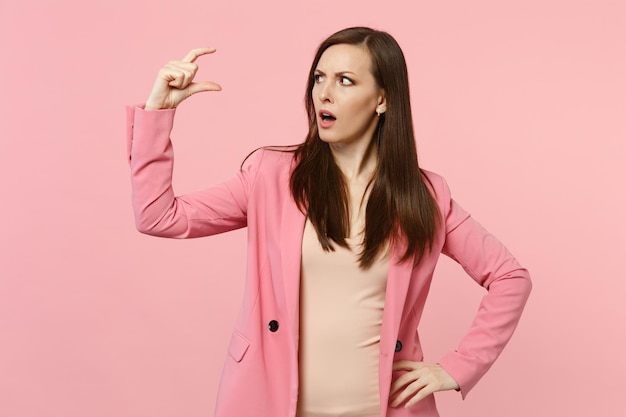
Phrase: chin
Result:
[325,137]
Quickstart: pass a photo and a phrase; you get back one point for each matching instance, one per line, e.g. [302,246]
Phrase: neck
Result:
[357,163]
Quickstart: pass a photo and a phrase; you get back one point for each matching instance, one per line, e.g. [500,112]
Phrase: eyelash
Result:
[317,79]
[350,82]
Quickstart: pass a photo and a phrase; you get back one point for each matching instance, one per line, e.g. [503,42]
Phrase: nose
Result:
[325,95]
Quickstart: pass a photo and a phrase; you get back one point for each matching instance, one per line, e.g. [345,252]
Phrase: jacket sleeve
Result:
[508,286]
[157,210]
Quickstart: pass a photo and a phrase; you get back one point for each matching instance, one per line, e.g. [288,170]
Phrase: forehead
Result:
[344,57]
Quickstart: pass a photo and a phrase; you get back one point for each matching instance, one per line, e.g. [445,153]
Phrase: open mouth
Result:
[327,116]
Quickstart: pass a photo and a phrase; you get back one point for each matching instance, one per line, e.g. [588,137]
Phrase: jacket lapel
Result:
[398,280]
[292,230]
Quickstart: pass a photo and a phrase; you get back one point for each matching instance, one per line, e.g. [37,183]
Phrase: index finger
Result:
[195,53]
[405,365]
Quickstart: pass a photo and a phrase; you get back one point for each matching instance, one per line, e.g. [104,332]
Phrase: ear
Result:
[382,103]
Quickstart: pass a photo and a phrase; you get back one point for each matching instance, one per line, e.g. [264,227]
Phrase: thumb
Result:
[194,88]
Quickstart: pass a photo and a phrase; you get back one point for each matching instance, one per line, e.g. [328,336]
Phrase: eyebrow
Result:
[336,74]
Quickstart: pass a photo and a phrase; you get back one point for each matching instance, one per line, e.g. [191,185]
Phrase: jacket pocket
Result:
[238,346]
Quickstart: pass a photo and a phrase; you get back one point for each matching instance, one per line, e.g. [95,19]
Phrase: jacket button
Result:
[273,326]
[398,346]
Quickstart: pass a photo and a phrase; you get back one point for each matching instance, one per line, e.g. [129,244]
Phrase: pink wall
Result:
[521,107]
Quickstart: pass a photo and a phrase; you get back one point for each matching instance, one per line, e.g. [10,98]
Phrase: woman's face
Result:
[346,96]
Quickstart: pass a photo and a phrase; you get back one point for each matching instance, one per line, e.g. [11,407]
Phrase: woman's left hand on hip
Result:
[419,380]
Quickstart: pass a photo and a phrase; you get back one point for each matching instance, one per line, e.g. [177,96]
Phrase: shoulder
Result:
[453,214]
[270,155]
[270,162]
[437,185]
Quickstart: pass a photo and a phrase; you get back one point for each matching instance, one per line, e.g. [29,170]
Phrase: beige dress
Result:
[341,310]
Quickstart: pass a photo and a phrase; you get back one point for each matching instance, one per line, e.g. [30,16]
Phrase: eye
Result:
[318,78]
[343,80]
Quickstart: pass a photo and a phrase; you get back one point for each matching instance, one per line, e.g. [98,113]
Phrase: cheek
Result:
[365,103]
[314,93]
[364,110]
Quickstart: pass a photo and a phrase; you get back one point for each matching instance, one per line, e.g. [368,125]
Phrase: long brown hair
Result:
[400,206]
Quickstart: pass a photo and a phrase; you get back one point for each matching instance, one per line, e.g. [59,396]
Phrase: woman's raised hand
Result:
[175,82]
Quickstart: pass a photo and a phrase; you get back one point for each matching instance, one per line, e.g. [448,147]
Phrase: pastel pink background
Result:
[520,105]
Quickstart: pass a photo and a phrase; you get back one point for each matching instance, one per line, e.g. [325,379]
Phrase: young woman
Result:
[345,230]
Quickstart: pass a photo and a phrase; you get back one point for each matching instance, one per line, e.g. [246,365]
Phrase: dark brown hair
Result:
[400,206]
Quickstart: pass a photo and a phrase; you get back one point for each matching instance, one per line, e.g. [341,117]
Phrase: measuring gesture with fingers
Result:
[175,82]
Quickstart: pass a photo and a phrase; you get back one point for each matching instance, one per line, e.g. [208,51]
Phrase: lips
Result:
[326,119]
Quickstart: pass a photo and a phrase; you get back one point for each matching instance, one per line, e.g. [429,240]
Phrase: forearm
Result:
[496,320]
[151,159]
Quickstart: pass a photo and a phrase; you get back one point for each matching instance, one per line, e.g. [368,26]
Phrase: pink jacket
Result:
[260,377]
